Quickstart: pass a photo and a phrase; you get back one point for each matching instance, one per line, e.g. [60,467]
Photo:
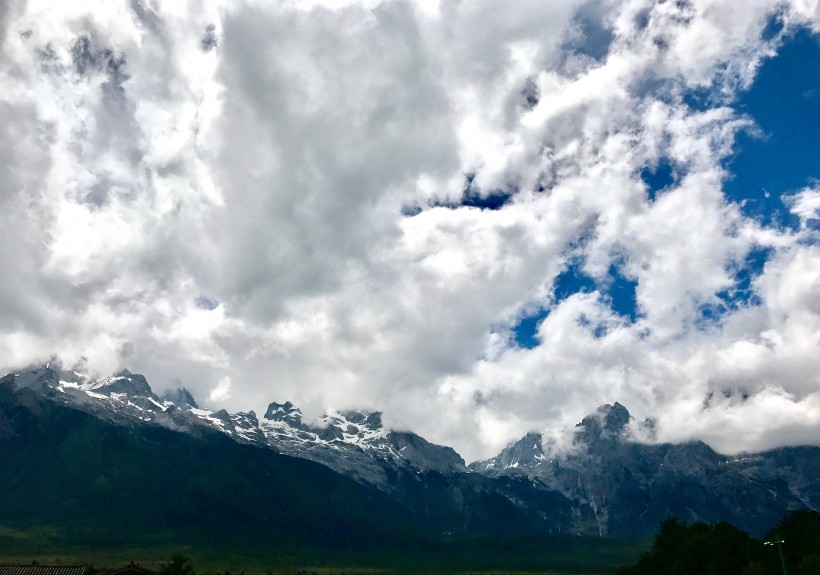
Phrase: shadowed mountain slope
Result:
[631,487]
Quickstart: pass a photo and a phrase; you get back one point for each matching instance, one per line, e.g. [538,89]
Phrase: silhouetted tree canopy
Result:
[722,549]
[179,565]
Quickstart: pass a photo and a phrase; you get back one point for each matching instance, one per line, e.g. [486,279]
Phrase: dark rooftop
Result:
[132,569]
[43,569]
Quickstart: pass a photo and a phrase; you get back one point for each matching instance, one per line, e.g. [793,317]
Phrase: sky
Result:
[482,218]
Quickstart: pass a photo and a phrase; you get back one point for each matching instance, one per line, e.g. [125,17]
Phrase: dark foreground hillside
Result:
[91,482]
[77,488]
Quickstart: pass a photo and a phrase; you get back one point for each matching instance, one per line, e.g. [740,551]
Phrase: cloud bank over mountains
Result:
[365,203]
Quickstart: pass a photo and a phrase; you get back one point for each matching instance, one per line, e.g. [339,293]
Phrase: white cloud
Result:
[271,171]
[222,391]
[806,205]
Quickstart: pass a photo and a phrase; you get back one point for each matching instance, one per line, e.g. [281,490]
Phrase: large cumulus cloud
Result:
[264,201]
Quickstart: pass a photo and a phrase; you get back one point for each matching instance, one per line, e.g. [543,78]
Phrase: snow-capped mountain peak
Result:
[595,475]
[284,412]
[353,442]
[181,398]
[124,382]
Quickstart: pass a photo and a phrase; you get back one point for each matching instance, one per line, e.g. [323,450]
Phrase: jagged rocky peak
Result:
[131,384]
[372,420]
[51,375]
[607,423]
[343,426]
[693,458]
[47,375]
[357,423]
[39,378]
[528,447]
[525,452]
[246,419]
[285,412]
[222,415]
[181,398]
[596,431]
[424,454]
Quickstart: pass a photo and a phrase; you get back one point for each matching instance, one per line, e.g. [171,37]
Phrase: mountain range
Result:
[603,483]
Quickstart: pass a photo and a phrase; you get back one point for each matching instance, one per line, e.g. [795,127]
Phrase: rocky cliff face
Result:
[631,487]
[603,482]
[180,397]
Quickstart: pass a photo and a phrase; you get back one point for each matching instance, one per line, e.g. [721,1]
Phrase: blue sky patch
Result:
[773,27]
[657,178]
[742,293]
[524,332]
[699,99]
[595,36]
[784,101]
[616,289]
[572,280]
[492,201]
[620,292]
[410,211]
[473,198]
[206,303]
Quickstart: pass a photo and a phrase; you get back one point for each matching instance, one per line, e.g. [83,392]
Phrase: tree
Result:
[698,549]
[179,565]
[800,532]
[701,549]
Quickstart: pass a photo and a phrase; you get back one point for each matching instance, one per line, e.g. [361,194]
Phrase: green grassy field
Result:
[571,555]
